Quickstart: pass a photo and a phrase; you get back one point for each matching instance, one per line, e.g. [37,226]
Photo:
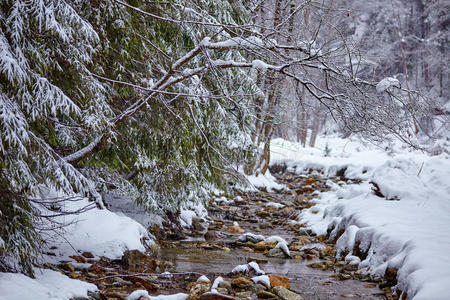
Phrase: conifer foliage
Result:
[58,63]
[46,94]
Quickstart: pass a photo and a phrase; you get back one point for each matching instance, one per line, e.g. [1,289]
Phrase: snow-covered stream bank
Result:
[99,232]
[406,227]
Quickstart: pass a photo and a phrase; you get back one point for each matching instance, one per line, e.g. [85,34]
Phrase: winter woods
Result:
[165,101]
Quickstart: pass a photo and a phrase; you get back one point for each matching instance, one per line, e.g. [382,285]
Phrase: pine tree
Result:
[68,71]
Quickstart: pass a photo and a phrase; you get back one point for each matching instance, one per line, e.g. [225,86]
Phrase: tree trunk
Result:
[315,128]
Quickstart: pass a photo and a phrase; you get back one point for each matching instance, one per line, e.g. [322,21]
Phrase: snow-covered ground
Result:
[99,231]
[48,284]
[409,232]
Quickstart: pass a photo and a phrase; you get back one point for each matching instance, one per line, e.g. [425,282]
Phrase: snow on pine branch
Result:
[251,42]
[13,127]
[9,65]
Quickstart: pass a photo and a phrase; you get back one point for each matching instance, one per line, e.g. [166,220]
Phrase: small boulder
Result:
[136,260]
[235,229]
[299,243]
[215,296]
[96,268]
[198,288]
[265,245]
[278,280]
[225,285]
[78,258]
[310,181]
[132,258]
[266,295]
[288,211]
[211,235]
[164,266]
[67,267]
[200,226]
[258,260]
[390,275]
[75,275]
[276,252]
[241,282]
[87,254]
[286,294]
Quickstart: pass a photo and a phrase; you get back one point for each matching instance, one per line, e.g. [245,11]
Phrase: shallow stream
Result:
[213,259]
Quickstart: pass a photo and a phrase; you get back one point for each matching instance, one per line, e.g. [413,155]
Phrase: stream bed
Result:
[270,214]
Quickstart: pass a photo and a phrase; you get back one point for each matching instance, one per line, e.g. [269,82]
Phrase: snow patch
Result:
[99,231]
[274,204]
[262,278]
[143,293]
[244,237]
[263,180]
[275,238]
[48,284]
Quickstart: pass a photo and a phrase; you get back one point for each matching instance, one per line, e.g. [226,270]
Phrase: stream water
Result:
[219,255]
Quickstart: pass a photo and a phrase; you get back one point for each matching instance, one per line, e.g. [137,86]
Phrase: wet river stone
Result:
[286,294]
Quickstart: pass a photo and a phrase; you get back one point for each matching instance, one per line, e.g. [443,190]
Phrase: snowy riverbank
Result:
[409,232]
[99,232]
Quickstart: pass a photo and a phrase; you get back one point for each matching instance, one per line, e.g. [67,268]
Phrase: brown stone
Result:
[67,267]
[211,235]
[329,251]
[306,189]
[309,205]
[286,294]
[288,211]
[133,258]
[350,267]
[78,258]
[300,199]
[266,295]
[278,280]
[297,245]
[163,265]
[241,282]
[316,265]
[115,295]
[263,213]
[391,276]
[265,245]
[310,256]
[96,268]
[75,275]
[136,260]
[87,254]
[198,289]
[271,208]
[310,181]
[215,296]
[235,229]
